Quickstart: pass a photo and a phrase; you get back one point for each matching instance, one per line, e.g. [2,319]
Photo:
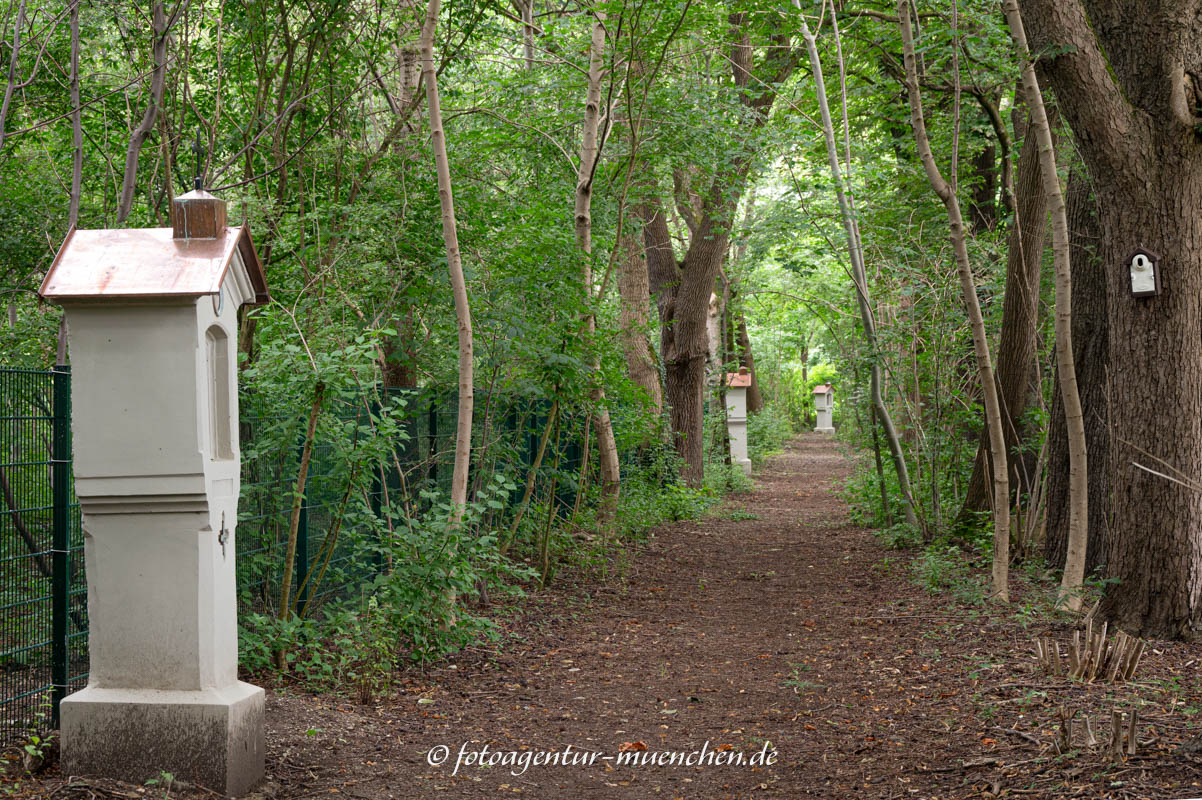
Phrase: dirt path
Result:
[774,621]
[695,649]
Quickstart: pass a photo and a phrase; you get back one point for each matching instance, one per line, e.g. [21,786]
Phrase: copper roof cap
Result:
[150,262]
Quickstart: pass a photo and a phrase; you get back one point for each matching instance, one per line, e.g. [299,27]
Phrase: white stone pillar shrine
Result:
[824,404]
[153,321]
[736,417]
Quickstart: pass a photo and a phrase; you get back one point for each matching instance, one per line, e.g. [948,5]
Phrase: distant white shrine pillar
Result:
[736,417]
[824,404]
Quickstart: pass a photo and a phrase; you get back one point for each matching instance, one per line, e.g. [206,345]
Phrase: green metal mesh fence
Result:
[43,608]
[43,591]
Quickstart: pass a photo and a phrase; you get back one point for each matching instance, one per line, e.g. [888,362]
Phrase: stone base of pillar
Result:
[212,738]
[745,464]
[824,430]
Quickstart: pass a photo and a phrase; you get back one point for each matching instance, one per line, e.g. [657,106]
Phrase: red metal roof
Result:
[148,262]
[740,379]
[823,389]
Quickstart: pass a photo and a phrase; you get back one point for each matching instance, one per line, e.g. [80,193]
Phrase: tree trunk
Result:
[682,290]
[398,360]
[634,319]
[14,58]
[76,124]
[450,235]
[982,206]
[860,278]
[298,500]
[158,81]
[1020,331]
[993,416]
[607,449]
[716,363]
[1135,119]
[1091,357]
[1074,565]
[755,398]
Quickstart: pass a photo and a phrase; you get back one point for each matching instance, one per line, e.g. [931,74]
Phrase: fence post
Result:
[302,535]
[433,424]
[60,652]
[571,487]
[377,484]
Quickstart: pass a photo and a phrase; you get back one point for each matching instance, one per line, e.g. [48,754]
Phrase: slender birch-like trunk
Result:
[607,450]
[13,60]
[859,275]
[1074,418]
[158,82]
[450,235]
[76,161]
[76,123]
[993,415]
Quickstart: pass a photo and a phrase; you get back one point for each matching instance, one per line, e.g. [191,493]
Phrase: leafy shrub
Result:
[900,536]
[767,432]
[435,564]
[722,478]
[262,634]
[942,567]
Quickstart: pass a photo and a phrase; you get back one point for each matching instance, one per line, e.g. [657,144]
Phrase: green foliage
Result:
[722,478]
[436,564]
[796,393]
[648,501]
[900,536]
[340,192]
[942,568]
[261,635]
[767,432]
[366,647]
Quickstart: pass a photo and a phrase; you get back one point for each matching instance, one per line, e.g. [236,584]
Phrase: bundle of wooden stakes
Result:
[1093,658]
[1123,733]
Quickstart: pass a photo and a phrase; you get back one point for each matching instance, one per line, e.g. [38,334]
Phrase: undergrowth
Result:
[441,586]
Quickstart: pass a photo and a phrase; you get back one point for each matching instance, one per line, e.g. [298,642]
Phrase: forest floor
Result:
[771,624]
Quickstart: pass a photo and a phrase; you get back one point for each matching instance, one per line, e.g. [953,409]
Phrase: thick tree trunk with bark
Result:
[634,318]
[1091,356]
[755,398]
[1123,73]
[1020,332]
[682,290]
[682,295]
